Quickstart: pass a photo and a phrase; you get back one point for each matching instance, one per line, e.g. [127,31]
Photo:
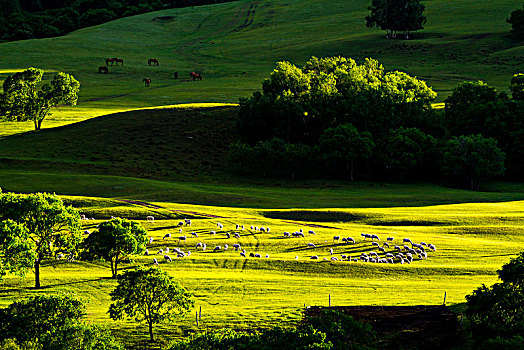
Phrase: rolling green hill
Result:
[236,44]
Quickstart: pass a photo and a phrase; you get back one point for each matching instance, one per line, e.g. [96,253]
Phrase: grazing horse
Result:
[152,61]
[118,60]
[103,69]
[147,81]
[195,76]
[110,60]
[176,75]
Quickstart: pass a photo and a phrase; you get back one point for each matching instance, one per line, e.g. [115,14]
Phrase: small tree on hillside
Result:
[516,19]
[396,16]
[52,227]
[149,295]
[345,144]
[21,100]
[115,240]
[474,157]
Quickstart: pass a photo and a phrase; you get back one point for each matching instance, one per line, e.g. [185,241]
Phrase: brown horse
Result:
[195,76]
[103,69]
[109,60]
[176,75]
[152,61]
[118,60]
[146,81]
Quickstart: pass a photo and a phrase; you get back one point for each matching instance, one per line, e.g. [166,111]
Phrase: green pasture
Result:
[235,45]
[473,240]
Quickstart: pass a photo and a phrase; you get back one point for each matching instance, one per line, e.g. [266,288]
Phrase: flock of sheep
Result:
[388,251]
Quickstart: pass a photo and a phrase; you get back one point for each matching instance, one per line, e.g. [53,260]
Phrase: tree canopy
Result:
[115,240]
[51,227]
[149,295]
[516,19]
[17,253]
[473,157]
[396,16]
[53,322]
[497,312]
[22,100]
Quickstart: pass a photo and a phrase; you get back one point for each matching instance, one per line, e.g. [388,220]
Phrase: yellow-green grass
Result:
[462,40]
[473,241]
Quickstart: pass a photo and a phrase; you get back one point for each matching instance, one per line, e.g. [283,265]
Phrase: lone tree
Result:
[517,87]
[516,19]
[474,157]
[22,100]
[149,295]
[115,240]
[52,227]
[396,16]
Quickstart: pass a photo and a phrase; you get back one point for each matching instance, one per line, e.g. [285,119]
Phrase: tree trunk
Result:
[37,273]
[151,339]
[116,269]
[352,167]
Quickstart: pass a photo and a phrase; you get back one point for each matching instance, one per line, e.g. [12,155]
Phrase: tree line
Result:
[28,19]
[336,118]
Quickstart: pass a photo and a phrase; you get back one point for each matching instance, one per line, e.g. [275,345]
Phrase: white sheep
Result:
[226,246]
[311,232]
[146,252]
[331,251]
[237,235]
[311,245]
[167,235]
[350,239]
[194,234]
[198,245]
[432,247]
[334,258]
[87,232]
[167,257]
[155,261]
[257,255]
[243,254]
[314,257]
[188,222]
[150,218]
[286,234]
[389,239]
[217,248]
[374,244]
[336,238]
[151,240]
[267,256]
[182,238]
[213,232]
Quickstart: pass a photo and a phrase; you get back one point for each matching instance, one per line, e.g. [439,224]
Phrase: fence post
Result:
[444,299]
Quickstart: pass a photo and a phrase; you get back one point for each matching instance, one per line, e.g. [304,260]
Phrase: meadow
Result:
[165,148]
[472,241]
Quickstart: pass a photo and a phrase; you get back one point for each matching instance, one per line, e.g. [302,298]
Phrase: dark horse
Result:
[147,81]
[195,76]
[152,61]
[103,69]
[176,75]
[109,60]
[119,60]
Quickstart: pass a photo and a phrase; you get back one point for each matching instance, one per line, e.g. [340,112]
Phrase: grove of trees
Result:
[336,118]
[516,19]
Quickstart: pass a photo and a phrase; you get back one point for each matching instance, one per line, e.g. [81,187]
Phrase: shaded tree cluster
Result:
[336,118]
[394,16]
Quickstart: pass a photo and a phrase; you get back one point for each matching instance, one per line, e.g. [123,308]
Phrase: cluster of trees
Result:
[396,16]
[496,313]
[27,19]
[330,330]
[39,227]
[24,98]
[337,118]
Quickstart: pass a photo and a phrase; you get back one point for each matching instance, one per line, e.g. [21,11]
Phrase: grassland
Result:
[473,241]
[236,45]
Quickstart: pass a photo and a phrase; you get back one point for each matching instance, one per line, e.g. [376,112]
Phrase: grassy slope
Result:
[465,39]
[253,293]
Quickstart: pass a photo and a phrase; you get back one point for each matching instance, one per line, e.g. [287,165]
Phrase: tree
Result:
[474,157]
[497,312]
[406,148]
[21,100]
[52,227]
[396,15]
[115,240]
[516,19]
[17,253]
[344,144]
[54,322]
[149,295]
[463,108]
[517,86]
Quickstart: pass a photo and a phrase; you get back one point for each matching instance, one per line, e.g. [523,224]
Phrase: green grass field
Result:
[167,145]
[236,45]
[472,240]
